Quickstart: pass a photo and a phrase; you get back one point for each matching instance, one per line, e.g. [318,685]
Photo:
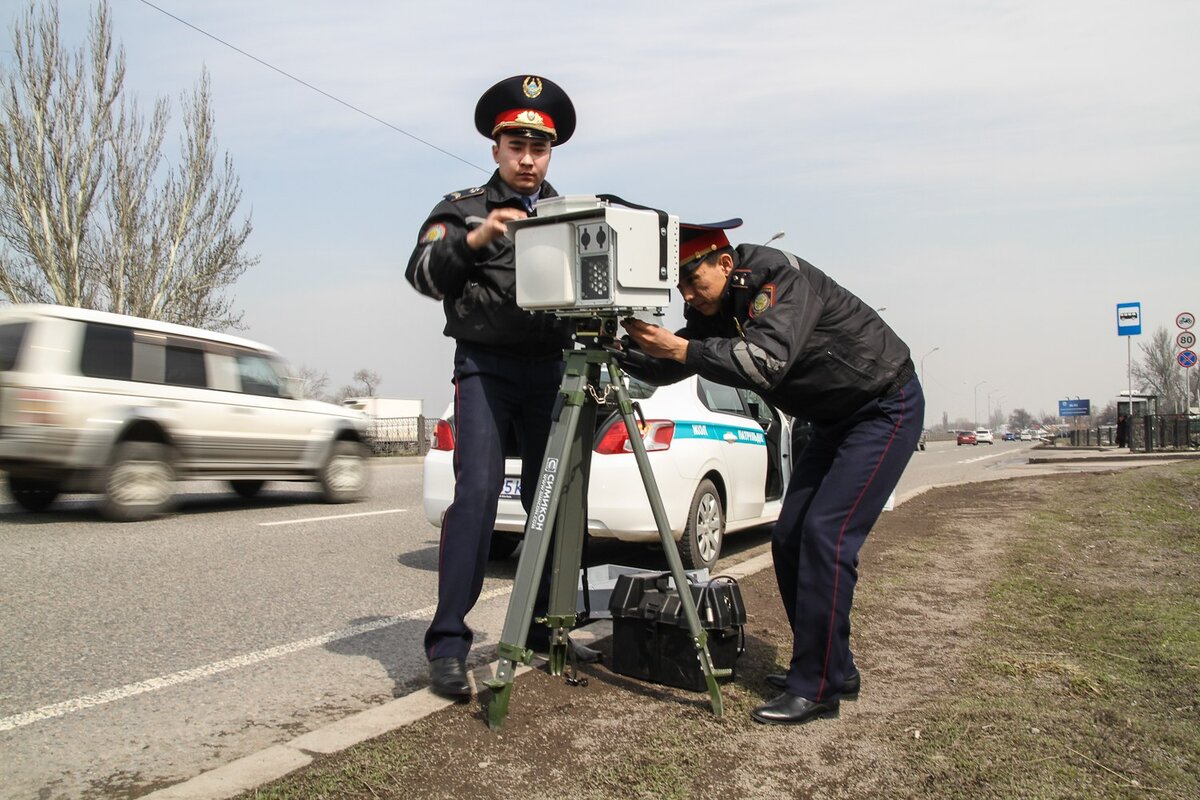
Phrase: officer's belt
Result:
[907,373]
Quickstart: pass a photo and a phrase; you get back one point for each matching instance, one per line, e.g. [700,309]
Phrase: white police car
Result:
[721,459]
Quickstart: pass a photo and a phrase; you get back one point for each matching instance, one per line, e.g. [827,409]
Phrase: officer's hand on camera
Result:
[493,227]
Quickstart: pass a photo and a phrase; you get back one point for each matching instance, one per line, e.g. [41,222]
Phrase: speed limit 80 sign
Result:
[1186,340]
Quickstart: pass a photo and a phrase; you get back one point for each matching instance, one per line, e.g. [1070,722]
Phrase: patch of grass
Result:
[1086,680]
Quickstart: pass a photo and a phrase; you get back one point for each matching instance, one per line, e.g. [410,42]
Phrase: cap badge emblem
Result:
[532,87]
[530,117]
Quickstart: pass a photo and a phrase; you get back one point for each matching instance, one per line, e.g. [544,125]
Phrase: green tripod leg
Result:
[686,601]
[563,473]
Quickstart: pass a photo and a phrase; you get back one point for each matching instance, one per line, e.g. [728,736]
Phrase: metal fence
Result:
[400,436]
[1147,434]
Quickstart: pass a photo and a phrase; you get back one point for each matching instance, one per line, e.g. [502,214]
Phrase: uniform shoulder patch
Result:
[762,301]
[474,191]
[433,233]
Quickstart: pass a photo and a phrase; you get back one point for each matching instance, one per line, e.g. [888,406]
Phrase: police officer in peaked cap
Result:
[508,362]
[763,319]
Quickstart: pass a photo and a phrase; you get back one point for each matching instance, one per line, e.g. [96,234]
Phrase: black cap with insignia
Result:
[526,105]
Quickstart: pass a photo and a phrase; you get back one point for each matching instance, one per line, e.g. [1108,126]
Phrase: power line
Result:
[308,85]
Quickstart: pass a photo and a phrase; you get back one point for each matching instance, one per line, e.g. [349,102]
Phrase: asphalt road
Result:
[134,656]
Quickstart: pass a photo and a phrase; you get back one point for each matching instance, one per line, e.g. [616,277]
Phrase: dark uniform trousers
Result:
[493,394]
[838,489]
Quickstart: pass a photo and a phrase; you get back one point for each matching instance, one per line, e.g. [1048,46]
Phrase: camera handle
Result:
[559,513]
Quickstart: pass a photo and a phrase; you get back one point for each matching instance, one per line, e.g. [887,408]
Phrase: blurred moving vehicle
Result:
[984,435]
[921,441]
[721,459]
[124,407]
[1026,436]
[966,437]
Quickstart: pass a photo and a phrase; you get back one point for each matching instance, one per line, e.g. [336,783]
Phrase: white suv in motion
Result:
[122,406]
[984,436]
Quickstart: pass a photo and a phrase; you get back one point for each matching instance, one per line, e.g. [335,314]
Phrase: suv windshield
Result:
[11,336]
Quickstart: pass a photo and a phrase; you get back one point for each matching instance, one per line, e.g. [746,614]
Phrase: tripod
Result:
[559,512]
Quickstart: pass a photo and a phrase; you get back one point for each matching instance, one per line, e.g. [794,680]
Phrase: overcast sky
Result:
[996,175]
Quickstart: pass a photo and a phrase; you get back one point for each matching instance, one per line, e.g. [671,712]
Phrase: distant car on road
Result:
[921,441]
[122,406]
[966,437]
[983,435]
[720,458]
[1009,436]
[1026,436]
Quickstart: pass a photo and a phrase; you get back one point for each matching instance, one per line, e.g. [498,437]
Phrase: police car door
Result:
[743,450]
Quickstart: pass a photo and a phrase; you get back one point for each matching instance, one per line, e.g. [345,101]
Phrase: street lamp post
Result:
[989,406]
[981,383]
[927,355]
[776,236]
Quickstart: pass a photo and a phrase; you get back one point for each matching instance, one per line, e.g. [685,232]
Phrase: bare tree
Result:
[311,382]
[89,214]
[1158,373]
[369,379]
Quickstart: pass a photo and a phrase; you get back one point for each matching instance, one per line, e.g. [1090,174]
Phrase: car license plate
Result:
[511,489]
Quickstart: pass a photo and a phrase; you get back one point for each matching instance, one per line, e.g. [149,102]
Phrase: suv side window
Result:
[259,376]
[107,352]
[717,397]
[11,336]
[185,366]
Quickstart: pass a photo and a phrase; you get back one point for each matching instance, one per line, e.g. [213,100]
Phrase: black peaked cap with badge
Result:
[526,105]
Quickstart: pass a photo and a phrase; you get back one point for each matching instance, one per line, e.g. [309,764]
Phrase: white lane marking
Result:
[188,675]
[983,458]
[334,516]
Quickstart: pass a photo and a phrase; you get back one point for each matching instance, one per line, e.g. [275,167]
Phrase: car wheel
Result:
[702,536]
[504,544]
[344,476]
[139,482]
[247,488]
[33,494]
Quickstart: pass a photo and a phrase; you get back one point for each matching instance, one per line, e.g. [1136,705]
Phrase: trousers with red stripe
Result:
[839,486]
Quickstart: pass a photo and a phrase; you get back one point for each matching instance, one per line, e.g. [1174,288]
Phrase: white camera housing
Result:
[582,256]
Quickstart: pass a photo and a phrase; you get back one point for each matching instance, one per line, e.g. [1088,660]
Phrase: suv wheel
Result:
[139,482]
[344,476]
[33,494]
[247,489]
[702,536]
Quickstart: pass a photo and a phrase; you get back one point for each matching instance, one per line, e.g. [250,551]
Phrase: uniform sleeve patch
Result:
[433,233]
[763,300]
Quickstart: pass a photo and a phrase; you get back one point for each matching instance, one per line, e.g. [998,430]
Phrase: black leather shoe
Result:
[788,709]
[449,677]
[850,687]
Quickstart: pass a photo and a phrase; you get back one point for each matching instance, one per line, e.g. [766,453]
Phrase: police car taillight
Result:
[443,436]
[656,435]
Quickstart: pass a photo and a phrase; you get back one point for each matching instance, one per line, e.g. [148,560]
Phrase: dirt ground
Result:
[923,576]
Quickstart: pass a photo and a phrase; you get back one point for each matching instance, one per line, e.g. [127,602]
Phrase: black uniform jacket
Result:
[789,332]
[478,288]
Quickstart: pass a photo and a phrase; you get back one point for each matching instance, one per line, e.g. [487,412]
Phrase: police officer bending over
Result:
[507,361]
[762,319]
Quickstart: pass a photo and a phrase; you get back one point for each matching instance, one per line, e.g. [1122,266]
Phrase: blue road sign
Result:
[1074,408]
[1187,358]
[1129,319]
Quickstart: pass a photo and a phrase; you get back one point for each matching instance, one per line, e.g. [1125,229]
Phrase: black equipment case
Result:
[651,640]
